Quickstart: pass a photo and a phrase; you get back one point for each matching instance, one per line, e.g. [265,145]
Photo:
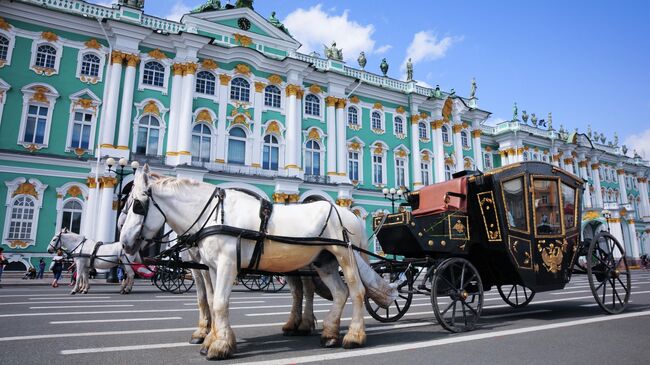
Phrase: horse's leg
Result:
[356,336]
[209,278]
[329,274]
[204,316]
[77,283]
[130,278]
[295,285]
[224,344]
[308,321]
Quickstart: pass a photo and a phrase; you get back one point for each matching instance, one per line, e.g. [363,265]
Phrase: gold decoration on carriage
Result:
[26,188]
[458,227]
[490,217]
[551,257]
[520,250]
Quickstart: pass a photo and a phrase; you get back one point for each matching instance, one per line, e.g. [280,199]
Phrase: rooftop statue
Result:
[244,4]
[384,67]
[333,52]
[207,6]
[452,92]
[409,70]
[524,116]
[624,149]
[515,112]
[138,4]
[589,134]
[550,121]
[276,23]
[533,119]
[615,139]
[362,60]
[436,92]
[472,91]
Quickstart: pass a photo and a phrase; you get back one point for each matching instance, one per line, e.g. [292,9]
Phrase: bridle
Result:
[141,207]
[58,245]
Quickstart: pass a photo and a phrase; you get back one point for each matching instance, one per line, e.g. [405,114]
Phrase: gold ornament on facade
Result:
[446,109]
[4,25]
[151,108]
[449,161]
[340,103]
[85,103]
[117,57]
[457,128]
[157,54]
[243,40]
[378,105]
[330,101]
[190,68]
[424,115]
[209,64]
[344,202]
[132,60]
[91,182]
[595,166]
[415,119]
[620,171]
[379,149]
[292,89]
[315,89]
[401,153]
[273,127]
[26,188]
[476,133]
[107,182]
[425,157]
[259,86]
[18,244]
[224,79]
[280,197]
[400,110]
[204,116]
[79,151]
[568,161]
[274,79]
[240,119]
[520,150]
[437,124]
[551,257]
[242,69]
[47,71]
[488,149]
[49,36]
[355,146]
[313,134]
[178,69]
[354,100]
[74,191]
[93,43]
[39,94]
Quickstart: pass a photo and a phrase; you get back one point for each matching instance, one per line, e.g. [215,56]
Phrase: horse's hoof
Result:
[220,350]
[203,351]
[353,340]
[73,292]
[329,342]
[197,341]
[351,345]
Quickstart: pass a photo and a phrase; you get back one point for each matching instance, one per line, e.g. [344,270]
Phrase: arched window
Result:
[312,158]
[353,116]
[398,125]
[148,136]
[45,56]
[464,139]
[154,74]
[201,142]
[4,48]
[237,146]
[445,134]
[272,96]
[375,120]
[312,105]
[90,65]
[72,210]
[270,153]
[81,128]
[206,83]
[422,130]
[22,218]
[240,89]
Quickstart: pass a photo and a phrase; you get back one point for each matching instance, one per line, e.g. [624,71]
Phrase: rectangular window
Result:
[424,168]
[514,198]
[377,169]
[547,207]
[400,170]
[36,123]
[353,166]
[81,130]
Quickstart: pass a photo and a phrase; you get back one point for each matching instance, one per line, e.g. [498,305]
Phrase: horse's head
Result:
[140,220]
[55,242]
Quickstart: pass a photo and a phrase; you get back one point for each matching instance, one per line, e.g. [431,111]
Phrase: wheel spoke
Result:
[448,307]
[471,309]
[516,296]
[623,285]
[510,292]
[397,305]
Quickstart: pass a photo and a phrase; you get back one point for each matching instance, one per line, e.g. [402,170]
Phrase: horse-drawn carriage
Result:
[516,228]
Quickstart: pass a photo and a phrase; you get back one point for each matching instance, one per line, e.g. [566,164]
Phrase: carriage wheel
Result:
[516,296]
[609,277]
[275,283]
[457,295]
[157,280]
[398,307]
[253,282]
[182,280]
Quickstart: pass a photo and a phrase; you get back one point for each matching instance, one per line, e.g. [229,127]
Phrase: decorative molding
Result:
[178,69]
[93,43]
[209,64]
[74,191]
[259,86]
[330,101]
[204,116]
[4,25]
[378,105]
[476,133]
[190,68]
[340,103]
[273,127]
[456,128]
[242,40]
[292,89]
[157,54]
[415,119]
[242,69]
[314,134]
[117,57]
[274,79]
[224,79]
[355,100]
[132,60]
[26,188]
[315,89]
[400,110]
[151,108]
[344,202]
[50,36]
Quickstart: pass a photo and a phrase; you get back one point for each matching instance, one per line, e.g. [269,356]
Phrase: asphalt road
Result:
[43,325]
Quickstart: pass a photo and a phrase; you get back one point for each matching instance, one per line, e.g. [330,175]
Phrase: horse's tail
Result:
[378,289]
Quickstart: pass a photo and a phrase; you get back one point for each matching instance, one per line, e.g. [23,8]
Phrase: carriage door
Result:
[515,198]
[550,244]
[570,205]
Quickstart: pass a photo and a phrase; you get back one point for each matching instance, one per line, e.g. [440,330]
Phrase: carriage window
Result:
[569,204]
[515,201]
[547,207]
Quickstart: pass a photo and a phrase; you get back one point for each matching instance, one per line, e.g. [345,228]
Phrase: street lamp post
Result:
[393,195]
[120,174]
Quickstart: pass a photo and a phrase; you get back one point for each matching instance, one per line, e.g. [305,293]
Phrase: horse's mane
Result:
[172,182]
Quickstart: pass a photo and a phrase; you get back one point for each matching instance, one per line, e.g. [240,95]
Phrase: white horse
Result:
[107,256]
[156,200]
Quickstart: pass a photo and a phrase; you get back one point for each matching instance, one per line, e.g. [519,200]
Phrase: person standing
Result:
[41,269]
[3,261]
[57,267]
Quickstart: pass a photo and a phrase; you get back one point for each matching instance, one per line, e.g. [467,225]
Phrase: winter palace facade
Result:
[224,97]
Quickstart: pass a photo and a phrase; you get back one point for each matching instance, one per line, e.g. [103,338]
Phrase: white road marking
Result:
[71,297]
[101,301]
[571,292]
[83,306]
[244,302]
[440,342]
[281,313]
[95,312]
[590,305]
[117,320]
[33,295]
[126,348]
[516,314]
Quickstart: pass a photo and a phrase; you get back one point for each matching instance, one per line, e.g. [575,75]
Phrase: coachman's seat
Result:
[446,196]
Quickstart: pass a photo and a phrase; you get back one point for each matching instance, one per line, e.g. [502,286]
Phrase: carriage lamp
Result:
[393,195]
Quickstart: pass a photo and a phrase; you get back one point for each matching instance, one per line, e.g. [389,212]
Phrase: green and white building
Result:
[224,97]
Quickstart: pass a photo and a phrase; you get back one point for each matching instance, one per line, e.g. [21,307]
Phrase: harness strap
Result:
[94,254]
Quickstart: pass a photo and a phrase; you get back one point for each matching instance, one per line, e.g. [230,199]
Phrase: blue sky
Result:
[584,61]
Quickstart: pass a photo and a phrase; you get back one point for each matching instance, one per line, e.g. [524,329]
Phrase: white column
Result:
[439,150]
[90,211]
[185,118]
[568,165]
[330,117]
[478,150]
[643,191]
[290,160]
[258,101]
[555,157]
[621,185]
[174,112]
[298,130]
[583,173]
[415,149]
[458,147]
[108,124]
[616,230]
[105,223]
[342,148]
[224,81]
[634,242]
[127,102]
[595,177]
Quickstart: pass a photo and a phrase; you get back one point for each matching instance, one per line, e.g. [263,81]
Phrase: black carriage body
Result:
[520,224]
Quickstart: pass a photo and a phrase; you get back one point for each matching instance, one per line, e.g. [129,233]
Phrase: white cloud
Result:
[426,46]
[315,27]
[383,49]
[177,11]
[639,142]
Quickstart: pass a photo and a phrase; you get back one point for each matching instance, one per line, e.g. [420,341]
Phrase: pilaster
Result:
[330,117]
[174,112]
[127,103]
[595,177]
[185,117]
[341,146]
[478,151]
[415,146]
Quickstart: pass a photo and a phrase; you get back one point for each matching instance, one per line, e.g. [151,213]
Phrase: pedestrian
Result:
[41,269]
[120,273]
[3,261]
[57,267]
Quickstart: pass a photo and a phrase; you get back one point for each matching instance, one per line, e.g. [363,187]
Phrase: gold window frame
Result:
[521,176]
[490,199]
[558,180]
[575,205]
